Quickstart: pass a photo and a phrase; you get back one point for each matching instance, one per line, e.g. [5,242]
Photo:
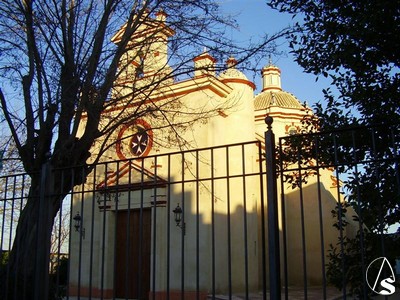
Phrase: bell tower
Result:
[147,50]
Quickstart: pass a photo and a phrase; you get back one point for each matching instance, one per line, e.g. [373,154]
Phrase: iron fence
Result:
[339,202]
[300,220]
[183,225]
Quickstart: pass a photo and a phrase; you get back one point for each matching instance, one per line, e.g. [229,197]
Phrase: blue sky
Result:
[255,19]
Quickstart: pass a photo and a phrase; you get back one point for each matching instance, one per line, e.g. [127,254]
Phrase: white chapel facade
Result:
[231,114]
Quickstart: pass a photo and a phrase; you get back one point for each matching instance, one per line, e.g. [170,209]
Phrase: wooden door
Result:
[133,254]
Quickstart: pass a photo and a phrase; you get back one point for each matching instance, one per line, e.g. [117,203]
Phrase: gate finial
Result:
[268,121]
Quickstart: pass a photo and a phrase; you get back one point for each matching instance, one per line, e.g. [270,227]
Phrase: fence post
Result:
[41,284]
[272,202]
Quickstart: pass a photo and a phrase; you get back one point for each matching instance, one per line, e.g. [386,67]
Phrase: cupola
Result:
[271,78]
[272,94]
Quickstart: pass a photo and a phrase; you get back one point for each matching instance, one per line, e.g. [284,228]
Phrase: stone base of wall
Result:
[83,291]
[95,293]
[177,295]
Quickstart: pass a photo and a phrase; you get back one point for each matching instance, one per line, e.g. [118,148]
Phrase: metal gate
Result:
[183,225]
[337,215]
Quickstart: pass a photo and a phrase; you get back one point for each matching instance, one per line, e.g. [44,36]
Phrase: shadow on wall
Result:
[310,231]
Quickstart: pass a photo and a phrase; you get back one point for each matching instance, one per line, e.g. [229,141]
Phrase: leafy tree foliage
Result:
[356,44]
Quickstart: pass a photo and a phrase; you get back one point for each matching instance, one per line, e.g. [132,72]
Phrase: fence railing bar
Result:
[11,225]
[246,254]
[321,223]
[213,257]
[117,216]
[69,271]
[103,238]
[140,258]
[92,231]
[60,213]
[376,173]
[228,209]
[2,240]
[129,245]
[3,221]
[22,205]
[168,227]
[155,232]
[303,230]
[37,261]
[197,187]
[183,228]
[340,220]
[215,178]
[332,132]
[273,225]
[81,231]
[344,164]
[359,210]
[263,223]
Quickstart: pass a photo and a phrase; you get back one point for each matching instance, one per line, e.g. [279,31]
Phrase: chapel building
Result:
[197,159]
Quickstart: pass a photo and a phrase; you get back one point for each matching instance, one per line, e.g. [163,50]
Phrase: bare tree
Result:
[59,237]
[13,190]
[59,61]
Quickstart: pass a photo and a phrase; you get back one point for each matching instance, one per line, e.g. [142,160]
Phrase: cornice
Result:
[179,89]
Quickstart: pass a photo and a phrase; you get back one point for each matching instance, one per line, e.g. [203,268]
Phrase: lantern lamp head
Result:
[177,215]
[78,220]
[78,225]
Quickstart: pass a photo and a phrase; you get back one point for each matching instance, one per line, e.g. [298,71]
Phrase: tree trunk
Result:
[27,273]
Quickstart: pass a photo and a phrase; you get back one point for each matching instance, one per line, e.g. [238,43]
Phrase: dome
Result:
[276,98]
[232,73]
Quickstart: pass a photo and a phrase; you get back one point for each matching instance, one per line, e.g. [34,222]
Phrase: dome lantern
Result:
[271,78]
